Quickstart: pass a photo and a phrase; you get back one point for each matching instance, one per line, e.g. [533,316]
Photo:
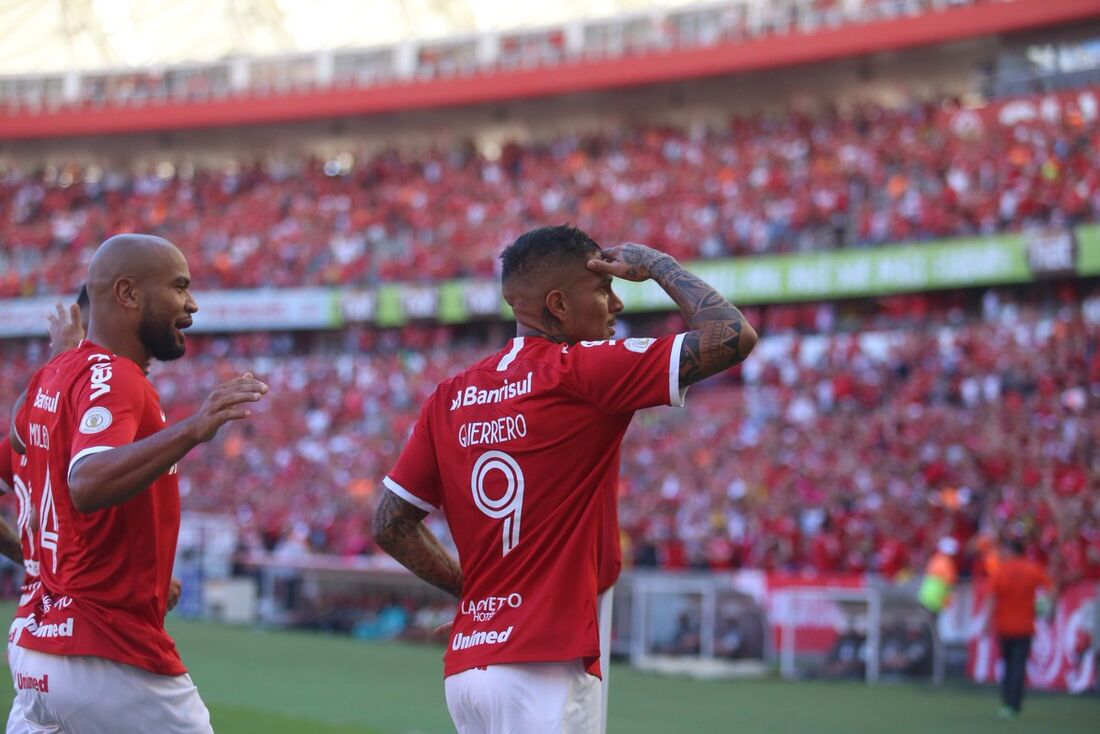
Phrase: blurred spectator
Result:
[1015,580]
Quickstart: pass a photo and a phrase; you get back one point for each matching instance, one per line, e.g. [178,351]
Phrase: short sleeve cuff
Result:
[676,394]
[83,453]
[408,496]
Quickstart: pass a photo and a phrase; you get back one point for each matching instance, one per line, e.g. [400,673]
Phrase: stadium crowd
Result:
[764,184]
[842,451]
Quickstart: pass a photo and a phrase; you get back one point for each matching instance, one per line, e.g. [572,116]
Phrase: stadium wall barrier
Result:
[847,273]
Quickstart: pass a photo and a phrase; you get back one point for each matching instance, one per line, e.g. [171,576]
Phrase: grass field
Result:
[289,683]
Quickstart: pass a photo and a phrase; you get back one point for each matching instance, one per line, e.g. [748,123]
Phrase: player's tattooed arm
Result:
[398,530]
[9,543]
[720,335]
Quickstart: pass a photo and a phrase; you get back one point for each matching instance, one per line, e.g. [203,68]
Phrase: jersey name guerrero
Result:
[521,452]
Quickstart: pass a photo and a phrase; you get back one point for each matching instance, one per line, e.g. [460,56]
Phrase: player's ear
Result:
[555,303]
[126,293]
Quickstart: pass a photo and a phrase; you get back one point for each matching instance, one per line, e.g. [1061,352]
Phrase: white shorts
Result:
[595,698]
[17,723]
[524,698]
[86,695]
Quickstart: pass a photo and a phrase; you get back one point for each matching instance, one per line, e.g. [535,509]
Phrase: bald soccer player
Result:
[95,657]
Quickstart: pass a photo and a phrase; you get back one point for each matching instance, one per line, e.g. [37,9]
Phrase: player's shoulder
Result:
[101,371]
[491,364]
[584,356]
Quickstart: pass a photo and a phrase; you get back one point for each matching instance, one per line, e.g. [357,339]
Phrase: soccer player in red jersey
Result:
[10,545]
[66,328]
[520,452]
[95,658]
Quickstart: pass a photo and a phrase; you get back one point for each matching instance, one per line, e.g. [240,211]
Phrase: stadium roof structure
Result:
[38,36]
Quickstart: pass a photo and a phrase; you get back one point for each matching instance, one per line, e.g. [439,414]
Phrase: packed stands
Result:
[831,452]
[763,184]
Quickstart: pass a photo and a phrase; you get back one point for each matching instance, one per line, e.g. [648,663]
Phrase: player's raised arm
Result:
[720,336]
[110,477]
[66,329]
[398,530]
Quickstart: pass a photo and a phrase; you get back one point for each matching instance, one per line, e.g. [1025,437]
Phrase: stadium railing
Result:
[606,38]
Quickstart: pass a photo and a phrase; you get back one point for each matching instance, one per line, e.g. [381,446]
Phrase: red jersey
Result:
[522,453]
[610,549]
[105,574]
[1014,584]
[13,470]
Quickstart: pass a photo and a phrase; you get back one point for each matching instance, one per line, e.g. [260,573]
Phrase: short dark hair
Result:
[82,298]
[543,247]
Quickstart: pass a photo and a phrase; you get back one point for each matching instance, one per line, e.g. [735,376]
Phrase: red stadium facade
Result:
[926,29]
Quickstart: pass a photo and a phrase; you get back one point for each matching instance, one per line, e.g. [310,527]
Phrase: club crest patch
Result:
[96,420]
[638,345]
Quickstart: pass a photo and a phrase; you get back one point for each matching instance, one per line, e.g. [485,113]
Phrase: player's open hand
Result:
[228,402]
[65,329]
[443,631]
[629,262]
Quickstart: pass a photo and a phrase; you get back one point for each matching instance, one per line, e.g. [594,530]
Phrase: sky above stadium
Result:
[60,35]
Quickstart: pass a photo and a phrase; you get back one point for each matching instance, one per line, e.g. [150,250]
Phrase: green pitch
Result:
[291,683]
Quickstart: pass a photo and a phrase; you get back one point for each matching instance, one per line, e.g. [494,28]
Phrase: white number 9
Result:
[510,505]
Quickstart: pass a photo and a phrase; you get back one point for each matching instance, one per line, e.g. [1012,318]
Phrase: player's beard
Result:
[159,341]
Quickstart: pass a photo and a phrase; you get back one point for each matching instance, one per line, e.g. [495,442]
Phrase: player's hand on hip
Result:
[175,588]
[228,402]
[65,328]
[629,262]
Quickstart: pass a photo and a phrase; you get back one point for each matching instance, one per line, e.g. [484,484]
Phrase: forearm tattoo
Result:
[715,342]
[398,530]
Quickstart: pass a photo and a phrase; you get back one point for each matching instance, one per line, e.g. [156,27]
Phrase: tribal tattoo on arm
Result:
[398,530]
[720,335]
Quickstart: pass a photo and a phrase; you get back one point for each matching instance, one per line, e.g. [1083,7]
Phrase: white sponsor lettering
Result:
[473,395]
[49,603]
[96,420]
[30,683]
[494,637]
[101,375]
[47,402]
[499,430]
[603,343]
[483,610]
[28,591]
[39,437]
[62,629]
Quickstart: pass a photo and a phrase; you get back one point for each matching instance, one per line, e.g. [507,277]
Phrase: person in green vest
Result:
[940,576]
